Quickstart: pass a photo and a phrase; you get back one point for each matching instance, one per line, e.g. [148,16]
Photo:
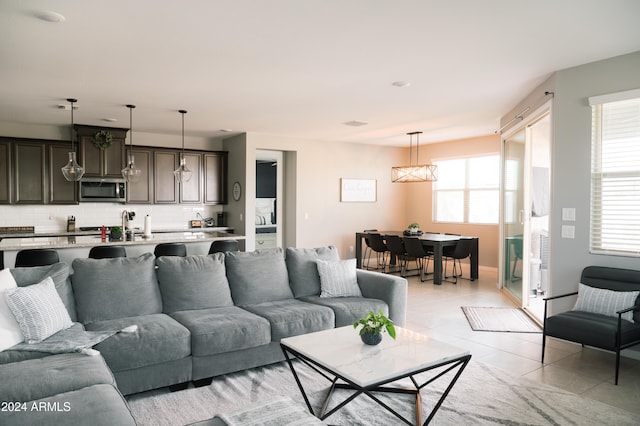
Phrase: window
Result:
[467,190]
[615,174]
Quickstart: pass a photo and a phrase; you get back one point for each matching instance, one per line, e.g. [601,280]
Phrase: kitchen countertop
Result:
[94,232]
[90,239]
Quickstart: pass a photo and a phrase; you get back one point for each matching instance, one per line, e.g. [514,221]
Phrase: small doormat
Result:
[500,319]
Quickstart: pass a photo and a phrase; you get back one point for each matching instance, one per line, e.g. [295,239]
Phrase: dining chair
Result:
[416,251]
[222,246]
[36,257]
[447,251]
[170,249]
[397,251]
[107,252]
[377,245]
[367,248]
[461,250]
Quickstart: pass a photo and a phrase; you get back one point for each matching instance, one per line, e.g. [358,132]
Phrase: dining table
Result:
[433,242]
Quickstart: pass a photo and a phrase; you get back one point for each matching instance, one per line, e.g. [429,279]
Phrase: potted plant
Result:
[373,325]
[115,233]
[414,228]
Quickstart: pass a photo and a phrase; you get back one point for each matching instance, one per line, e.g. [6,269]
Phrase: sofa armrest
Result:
[389,288]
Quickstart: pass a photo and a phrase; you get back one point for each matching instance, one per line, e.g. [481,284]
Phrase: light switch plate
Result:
[568,231]
[569,214]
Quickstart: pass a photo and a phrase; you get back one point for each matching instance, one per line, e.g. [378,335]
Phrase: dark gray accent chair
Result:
[596,330]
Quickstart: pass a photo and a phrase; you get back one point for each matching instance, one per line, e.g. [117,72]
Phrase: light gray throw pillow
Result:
[338,278]
[303,271]
[258,276]
[605,302]
[193,282]
[107,289]
[38,310]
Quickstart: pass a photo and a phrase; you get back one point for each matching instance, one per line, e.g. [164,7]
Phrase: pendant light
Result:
[414,173]
[72,171]
[131,173]
[182,173]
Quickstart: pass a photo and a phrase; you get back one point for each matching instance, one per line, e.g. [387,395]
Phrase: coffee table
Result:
[340,356]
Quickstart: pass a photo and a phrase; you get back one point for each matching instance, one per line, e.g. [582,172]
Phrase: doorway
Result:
[525,212]
[269,199]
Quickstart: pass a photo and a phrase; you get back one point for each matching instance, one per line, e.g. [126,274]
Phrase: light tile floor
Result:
[435,311]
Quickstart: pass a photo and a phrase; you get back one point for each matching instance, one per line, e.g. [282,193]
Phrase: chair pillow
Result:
[605,302]
[338,278]
[38,310]
[10,333]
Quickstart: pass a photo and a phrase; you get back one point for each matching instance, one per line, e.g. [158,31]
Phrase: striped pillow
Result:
[338,278]
[605,302]
[38,309]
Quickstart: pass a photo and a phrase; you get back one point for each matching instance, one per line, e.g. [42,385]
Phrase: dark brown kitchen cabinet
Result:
[141,192]
[165,187]
[107,162]
[215,176]
[29,173]
[191,191]
[5,172]
[61,191]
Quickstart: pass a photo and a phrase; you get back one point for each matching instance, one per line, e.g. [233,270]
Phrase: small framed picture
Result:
[358,190]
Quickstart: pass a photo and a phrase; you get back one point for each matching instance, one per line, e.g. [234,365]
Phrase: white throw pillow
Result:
[605,302]
[338,278]
[10,333]
[38,310]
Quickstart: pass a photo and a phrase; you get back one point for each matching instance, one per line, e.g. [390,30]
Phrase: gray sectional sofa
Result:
[197,317]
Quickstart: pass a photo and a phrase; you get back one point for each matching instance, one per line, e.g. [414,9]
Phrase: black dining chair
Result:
[36,257]
[416,251]
[107,252]
[377,245]
[397,251]
[222,246]
[462,250]
[367,248]
[170,249]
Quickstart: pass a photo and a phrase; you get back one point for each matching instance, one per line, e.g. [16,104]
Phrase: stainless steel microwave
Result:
[103,190]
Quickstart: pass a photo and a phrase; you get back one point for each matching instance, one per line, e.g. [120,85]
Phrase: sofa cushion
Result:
[108,289]
[51,375]
[159,338]
[338,278]
[193,282]
[349,309]
[257,277]
[605,302]
[97,405]
[38,309]
[10,333]
[11,355]
[293,317]
[220,330]
[59,273]
[590,329]
[303,271]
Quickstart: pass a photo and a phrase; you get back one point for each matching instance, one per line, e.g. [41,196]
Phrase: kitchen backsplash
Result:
[53,218]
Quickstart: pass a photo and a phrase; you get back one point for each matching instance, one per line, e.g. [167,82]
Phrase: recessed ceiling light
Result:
[226,130]
[110,120]
[51,16]
[401,83]
[355,123]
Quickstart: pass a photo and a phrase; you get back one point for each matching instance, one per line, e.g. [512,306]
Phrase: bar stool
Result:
[222,246]
[107,252]
[36,257]
[170,249]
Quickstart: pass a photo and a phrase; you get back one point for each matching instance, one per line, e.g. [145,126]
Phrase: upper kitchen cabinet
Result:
[101,150]
[29,172]
[61,191]
[215,177]
[5,172]
[191,191]
[165,187]
[141,192]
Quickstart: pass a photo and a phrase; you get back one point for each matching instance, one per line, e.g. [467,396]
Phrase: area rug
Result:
[500,319]
[484,395]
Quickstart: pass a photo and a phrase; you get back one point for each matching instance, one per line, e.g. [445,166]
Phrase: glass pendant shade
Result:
[72,171]
[182,173]
[417,172]
[131,173]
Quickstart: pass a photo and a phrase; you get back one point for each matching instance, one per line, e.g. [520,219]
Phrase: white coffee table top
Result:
[340,350]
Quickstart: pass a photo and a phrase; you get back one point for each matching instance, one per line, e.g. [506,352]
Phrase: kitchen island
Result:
[71,245]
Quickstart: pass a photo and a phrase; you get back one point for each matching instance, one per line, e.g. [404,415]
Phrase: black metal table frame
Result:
[460,362]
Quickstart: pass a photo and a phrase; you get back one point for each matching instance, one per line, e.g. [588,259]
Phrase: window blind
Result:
[615,174]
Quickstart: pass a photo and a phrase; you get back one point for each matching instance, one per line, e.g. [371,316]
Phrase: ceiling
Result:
[297,68]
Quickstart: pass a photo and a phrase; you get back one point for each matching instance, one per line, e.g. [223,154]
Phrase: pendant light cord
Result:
[72,101]
[183,112]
